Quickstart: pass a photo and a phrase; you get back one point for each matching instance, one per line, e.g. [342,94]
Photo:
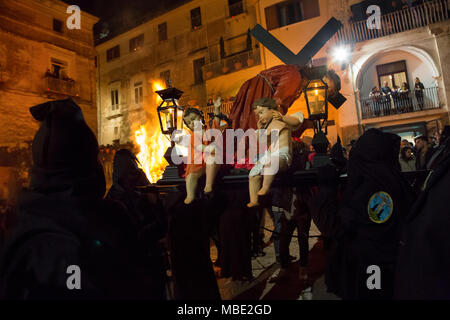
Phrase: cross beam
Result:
[309,50]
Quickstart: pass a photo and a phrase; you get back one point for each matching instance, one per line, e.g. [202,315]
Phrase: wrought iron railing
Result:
[394,22]
[66,87]
[231,64]
[398,103]
[225,108]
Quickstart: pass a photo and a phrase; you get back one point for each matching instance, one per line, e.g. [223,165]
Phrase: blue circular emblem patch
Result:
[380,207]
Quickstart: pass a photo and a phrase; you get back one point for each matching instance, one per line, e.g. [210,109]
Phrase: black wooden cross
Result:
[306,54]
[308,51]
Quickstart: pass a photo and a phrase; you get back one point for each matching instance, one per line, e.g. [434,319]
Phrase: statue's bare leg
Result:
[254,185]
[191,185]
[211,173]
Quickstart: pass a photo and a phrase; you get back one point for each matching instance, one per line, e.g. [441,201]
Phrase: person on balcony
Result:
[418,91]
[386,92]
[396,98]
[405,100]
[375,96]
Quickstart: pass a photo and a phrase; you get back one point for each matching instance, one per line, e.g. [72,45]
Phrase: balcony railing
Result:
[230,64]
[224,108]
[395,22]
[66,87]
[399,103]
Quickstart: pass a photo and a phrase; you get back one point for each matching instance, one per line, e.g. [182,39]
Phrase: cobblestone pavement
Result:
[290,288]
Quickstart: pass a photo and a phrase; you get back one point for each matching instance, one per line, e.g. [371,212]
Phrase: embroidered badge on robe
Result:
[380,207]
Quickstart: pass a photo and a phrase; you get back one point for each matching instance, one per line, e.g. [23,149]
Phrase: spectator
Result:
[423,260]
[404,143]
[405,101]
[396,98]
[423,152]
[418,91]
[375,96]
[386,93]
[407,159]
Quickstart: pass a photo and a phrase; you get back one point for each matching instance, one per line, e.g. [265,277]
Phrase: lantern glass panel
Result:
[316,97]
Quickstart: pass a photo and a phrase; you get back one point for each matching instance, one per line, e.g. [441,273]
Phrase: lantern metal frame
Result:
[170,96]
[316,74]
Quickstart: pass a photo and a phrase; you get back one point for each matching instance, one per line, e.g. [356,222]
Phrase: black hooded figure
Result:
[69,243]
[146,212]
[363,229]
[424,261]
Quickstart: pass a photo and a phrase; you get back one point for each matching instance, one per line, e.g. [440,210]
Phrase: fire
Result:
[151,141]
[151,155]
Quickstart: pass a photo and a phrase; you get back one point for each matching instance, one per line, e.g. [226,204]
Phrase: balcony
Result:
[114,111]
[232,63]
[395,22]
[225,109]
[399,104]
[60,86]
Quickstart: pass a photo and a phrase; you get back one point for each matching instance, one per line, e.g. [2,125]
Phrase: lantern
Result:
[316,97]
[170,114]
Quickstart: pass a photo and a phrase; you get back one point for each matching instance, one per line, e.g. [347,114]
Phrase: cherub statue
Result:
[263,173]
[209,167]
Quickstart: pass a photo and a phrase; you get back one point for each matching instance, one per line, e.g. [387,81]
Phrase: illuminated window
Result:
[114,99]
[136,43]
[138,92]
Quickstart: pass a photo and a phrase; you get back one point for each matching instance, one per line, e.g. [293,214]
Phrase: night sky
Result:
[121,15]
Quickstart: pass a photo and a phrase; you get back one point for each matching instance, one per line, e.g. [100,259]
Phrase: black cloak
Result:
[424,260]
[64,221]
[365,225]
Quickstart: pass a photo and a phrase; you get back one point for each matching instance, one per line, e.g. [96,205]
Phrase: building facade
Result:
[179,45]
[204,47]
[41,60]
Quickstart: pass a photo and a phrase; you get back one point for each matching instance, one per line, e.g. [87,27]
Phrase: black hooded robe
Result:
[424,255]
[357,237]
[64,222]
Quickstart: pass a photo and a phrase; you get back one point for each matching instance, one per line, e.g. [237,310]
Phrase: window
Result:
[116,130]
[113,53]
[138,92]
[196,18]
[57,25]
[289,12]
[198,74]
[59,68]
[115,99]
[394,73]
[162,31]
[236,7]
[165,75]
[137,43]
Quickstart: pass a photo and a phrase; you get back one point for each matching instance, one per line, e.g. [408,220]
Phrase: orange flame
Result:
[151,155]
[152,143]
